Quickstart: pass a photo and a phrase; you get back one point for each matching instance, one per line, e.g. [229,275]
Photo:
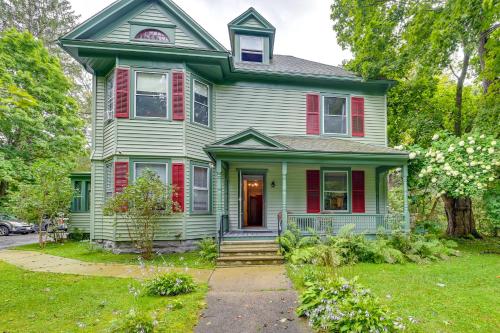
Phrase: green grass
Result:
[85,252]
[48,302]
[468,301]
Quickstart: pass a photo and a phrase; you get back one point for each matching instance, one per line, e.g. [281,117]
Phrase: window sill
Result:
[201,213]
[151,118]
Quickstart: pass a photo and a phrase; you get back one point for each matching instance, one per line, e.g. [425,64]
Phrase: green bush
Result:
[207,249]
[339,305]
[321,255]
[133,322]
[77,235]
[170,284]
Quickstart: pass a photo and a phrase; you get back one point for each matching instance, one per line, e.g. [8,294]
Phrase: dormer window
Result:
[153,35]
[252,48]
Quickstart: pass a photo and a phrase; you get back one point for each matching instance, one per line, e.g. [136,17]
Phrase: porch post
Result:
[218,203]
[406,211]
[284,213]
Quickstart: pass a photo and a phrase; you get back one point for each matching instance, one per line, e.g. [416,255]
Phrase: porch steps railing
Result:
[369,224]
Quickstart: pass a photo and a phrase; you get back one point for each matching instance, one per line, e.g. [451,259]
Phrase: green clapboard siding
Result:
[80,221]
[109,140]
[102,227]
[155,14]
[282,111]
[98,117]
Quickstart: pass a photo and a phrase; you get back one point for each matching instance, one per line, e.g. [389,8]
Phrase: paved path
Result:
[251,299]
[40,262]
[17,240]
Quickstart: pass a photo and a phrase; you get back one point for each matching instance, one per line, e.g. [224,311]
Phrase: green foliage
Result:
[207,248]
[77,235]
[170,284]
[340,305]
[142,204]
[133,322]
[321,255]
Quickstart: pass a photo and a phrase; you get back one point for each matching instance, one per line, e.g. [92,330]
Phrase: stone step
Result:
[249,260]
[248,251]
[250,243]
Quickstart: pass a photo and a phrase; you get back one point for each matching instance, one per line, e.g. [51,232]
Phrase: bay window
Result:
[151,95]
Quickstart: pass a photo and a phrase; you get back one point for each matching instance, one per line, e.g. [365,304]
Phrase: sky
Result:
[303,27]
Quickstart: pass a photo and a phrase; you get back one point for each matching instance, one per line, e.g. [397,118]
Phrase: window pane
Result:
[87,196]
[201,114]
[200,177]
[335,181]
[335,201]
[252,43]
[151,83]
[159,168]
[151,106]
[201,92]
[335,115]
[334,106]
[253,57]
[77,199]
[110,97]
[200,200]
[335,124]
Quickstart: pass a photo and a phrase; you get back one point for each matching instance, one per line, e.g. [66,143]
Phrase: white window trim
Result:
[152,162]
[109,114]
[201,189]
[168,87]
[348,116]
[110,164]
[252,51]
[346,191]
[208,105]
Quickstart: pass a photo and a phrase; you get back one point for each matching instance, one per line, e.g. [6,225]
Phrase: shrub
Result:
[170,284]
[339,305]
[321,255]
[77,235]
[207,248]
[133,322]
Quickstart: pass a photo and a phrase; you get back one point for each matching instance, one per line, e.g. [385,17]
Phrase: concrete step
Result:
[250,243]
[249,260]
[248,251]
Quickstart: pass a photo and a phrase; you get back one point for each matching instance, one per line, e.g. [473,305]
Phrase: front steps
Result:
[242,253]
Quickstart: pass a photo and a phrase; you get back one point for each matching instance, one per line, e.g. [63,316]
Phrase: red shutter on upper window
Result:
[358,116]
[122,88]
[178,96]
[121,176]
[178,183]
[358,191]
[312,114]
[313,191]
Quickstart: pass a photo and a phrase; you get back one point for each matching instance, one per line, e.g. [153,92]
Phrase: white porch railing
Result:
[331,223]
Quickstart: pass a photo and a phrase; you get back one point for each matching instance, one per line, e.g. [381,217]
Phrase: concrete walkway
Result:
[40,262]
[250,299]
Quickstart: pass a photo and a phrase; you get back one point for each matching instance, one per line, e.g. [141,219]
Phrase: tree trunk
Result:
[460,218]
[459,94]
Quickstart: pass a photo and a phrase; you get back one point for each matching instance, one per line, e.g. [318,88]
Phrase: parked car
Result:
[61,224]
[11,225]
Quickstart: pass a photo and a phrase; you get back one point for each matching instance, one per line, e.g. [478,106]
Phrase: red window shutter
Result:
[178,183]
[122,89]
[313,191]
[358,191]
[121,176]
[358,116]
[312,114]
[178,96]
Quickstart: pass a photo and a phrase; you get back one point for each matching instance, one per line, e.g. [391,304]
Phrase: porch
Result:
[262,186]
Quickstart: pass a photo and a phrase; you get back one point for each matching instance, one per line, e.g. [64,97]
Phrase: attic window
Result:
[152,34]
[252,48]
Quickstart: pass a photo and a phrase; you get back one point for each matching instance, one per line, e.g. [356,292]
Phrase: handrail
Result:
[221,231]
[280,227]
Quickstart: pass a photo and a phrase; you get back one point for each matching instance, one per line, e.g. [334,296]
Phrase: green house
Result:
[254,140]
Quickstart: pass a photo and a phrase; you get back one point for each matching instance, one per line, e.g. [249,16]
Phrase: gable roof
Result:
[251,13]
[285,64]
[118,9]
[252,135]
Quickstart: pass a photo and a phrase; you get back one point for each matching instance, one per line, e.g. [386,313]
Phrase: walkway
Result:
[251,299]
[40,262]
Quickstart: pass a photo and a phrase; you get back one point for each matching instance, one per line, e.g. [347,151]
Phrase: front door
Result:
[252,195]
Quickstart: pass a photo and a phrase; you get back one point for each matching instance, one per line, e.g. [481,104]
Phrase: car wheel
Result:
[4,231]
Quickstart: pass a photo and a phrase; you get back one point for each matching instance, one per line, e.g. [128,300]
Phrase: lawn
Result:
[86,252]
[457,295]
[48,302]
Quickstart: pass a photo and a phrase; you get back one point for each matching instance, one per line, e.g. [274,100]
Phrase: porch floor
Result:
[251,233]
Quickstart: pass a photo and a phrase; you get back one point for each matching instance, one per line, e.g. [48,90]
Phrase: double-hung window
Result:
[335,191]
[201,104]
[151,95]
[81,197]
[110,97]
[252,48]
[335,115]
[160,169]
[201,189]
[108,179]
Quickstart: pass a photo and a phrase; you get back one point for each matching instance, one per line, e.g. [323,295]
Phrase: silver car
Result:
[11,225]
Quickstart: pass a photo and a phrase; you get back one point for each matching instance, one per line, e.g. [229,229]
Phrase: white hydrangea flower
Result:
[412,155]
[469,150]
[472,142]
[493,143]
[461,143]
[435,137]
[471,176]
[455,172]
[420,175]
[491,150]
[451,149]
[487,167]
[466,181]
[433,180]
[473,163]
[482,136]
[491,179]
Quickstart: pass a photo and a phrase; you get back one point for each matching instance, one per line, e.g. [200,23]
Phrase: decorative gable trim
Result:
[250,134]
[251,12]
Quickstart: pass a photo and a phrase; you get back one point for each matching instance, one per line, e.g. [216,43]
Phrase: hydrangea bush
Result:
[340,305]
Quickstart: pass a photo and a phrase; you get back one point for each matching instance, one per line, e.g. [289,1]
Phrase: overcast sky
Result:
[303,27]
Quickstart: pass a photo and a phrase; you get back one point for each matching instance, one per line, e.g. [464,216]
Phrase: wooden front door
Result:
[252,195]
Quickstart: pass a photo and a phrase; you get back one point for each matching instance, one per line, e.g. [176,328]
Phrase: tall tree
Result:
[38,118]
[416,41]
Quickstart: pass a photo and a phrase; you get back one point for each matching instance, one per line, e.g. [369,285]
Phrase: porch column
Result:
[406,211]
[284,213]
[218,204]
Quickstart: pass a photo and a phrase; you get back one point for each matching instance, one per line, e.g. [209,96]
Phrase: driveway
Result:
[17,240]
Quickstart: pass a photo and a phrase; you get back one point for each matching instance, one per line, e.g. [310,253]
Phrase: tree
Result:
[141,205]
[457,169]
[48,196]
[38,120]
